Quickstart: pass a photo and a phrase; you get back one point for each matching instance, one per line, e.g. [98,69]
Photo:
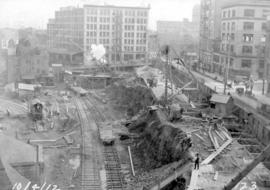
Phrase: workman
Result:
[197,162]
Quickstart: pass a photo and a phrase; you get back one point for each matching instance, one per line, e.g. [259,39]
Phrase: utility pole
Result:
[166,73]
[266,51]
[226,75]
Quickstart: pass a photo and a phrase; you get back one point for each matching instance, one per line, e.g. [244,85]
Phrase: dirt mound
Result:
[160,141]
[132,95]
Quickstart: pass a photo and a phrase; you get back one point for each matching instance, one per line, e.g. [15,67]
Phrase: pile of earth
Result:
[160,142]
[132,95]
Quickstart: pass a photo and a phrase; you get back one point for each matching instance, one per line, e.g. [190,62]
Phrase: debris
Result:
[68,139]
[199,137]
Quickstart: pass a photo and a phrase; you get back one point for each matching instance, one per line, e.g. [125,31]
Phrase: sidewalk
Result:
[218,84]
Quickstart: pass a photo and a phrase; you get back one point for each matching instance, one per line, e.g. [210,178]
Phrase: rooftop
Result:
[220,98]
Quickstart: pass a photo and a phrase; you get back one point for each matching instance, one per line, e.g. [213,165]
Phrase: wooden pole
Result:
[131,162]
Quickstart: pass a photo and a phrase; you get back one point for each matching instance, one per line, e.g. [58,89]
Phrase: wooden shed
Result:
[221,104]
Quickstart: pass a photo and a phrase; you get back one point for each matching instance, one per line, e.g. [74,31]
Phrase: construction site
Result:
[134,127]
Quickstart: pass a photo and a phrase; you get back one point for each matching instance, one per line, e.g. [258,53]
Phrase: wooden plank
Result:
[199,137]
[220,136]
[131,162]
[216,142]
[219,150]
[193,180]
[211,137]
[68,139]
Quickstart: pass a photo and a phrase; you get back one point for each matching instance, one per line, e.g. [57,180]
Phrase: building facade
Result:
[26,63]
[121,30]
[243,36]
[179,35]
[153,46]
[65,31]
[267,56]
[210,32]
[66,36]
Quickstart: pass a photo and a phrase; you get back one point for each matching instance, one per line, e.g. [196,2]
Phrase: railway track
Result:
[114,177]
[90,179]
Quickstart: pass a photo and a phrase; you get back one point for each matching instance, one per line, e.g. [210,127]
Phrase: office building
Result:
[121,30]
[243,36]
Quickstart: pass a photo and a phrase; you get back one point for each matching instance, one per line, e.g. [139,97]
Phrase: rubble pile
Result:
[131,95]
[160,141]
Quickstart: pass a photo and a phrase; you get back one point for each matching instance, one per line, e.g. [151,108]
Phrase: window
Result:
[261,64]
[216,58]
[231,62]
[247,49]
[249,12]
[223,36]
[263,26]
[228,26]
[232,36]
[224,14]
[233,13]
[233,25]
[229,13]
[246,63]
[248,37]
[248,26]
[232,48]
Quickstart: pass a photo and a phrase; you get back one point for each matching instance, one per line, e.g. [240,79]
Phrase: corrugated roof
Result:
[219,98]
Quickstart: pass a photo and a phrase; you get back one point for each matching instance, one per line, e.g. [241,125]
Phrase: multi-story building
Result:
[65,31]
[25,62]
[66,36]
[267,56]
[121,30]
[243,35]
[153,46]
[210,32]
[179,35]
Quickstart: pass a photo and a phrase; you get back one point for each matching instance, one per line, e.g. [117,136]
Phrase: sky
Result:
[35,13]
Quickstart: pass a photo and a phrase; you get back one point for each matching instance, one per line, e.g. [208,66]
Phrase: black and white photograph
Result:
[134,94]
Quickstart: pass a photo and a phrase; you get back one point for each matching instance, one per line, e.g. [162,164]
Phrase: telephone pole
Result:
[226,75]
[166,73]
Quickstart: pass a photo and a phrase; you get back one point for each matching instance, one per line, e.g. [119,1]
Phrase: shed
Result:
[222,104]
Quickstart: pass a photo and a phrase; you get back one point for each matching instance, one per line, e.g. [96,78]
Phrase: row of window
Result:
[245,63]
[230,26]
[132,13]
[247,13]
[245,49]
[246,26]
[131,35]
[139,20]
[104,11]
[131,41]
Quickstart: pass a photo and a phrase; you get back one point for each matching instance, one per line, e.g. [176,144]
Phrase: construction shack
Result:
[221,104]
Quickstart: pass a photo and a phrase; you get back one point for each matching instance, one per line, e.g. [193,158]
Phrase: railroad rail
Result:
[114,177]
[90,179]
